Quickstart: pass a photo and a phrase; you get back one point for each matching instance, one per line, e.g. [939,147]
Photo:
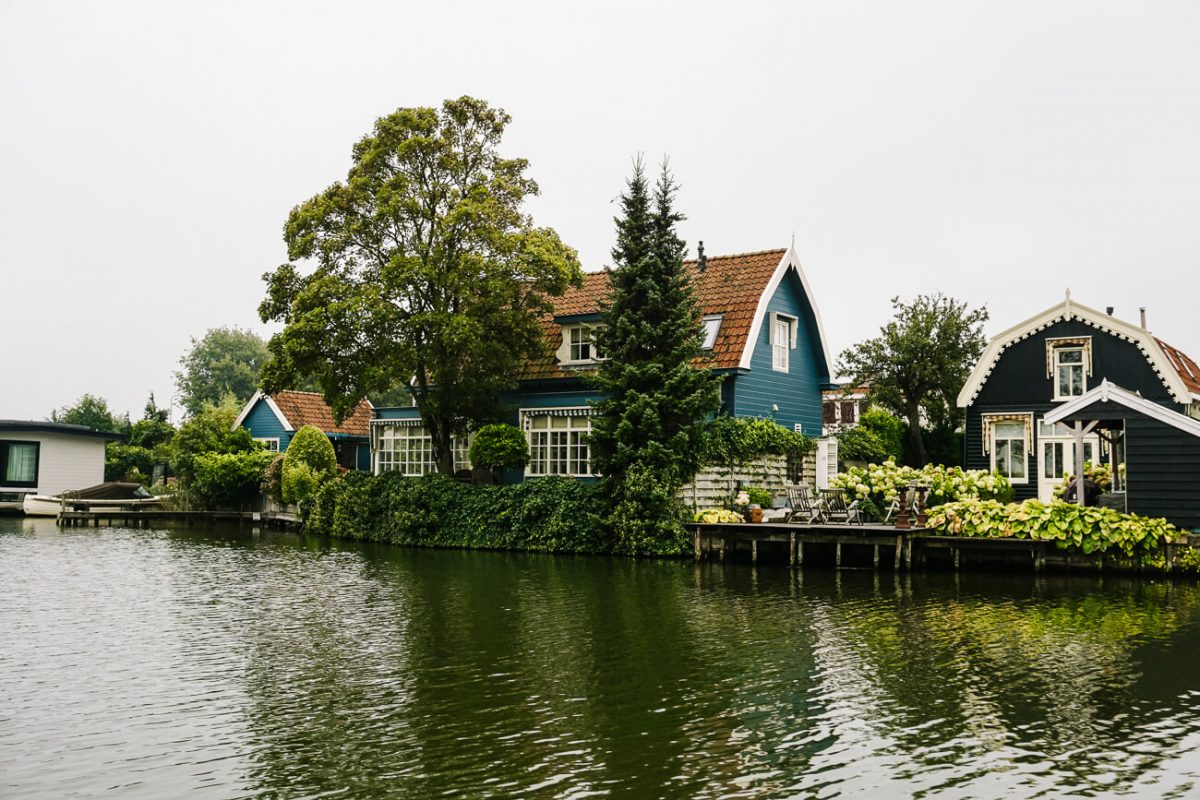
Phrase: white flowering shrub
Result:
[879,484]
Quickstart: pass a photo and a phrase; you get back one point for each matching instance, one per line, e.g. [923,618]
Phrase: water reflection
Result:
[235,664]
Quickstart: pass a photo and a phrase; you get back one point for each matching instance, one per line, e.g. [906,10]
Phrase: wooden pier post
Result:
[838,547]
[908,554]
[697,543]
[800,554]
[792,549]
[956,556]
[899,550]
[876,557]
[754,551]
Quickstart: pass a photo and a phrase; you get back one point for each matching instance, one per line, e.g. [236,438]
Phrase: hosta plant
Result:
[1091,530]
[712,515]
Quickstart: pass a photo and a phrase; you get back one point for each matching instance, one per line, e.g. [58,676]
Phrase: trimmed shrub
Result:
[228,480]
[498,447]
[308,462]
[636,530]
[548,514]
[1091,530]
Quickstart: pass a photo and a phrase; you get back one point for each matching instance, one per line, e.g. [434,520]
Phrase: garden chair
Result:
[805,508]
[836,508]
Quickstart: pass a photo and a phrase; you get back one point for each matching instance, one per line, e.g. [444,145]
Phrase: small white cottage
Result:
[48,458]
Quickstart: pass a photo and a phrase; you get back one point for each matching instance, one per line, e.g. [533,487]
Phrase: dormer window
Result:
[712,326]
[581,344]
[1068,365]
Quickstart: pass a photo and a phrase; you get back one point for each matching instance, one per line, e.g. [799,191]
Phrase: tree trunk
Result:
[443,452]
[441,442]
[915,437]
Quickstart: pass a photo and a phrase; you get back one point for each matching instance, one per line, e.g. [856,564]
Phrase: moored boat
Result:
[110,495]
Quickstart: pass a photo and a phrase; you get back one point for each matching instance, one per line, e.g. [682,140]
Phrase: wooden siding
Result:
[263,424]
[1018,384]
[975,458]
[64,461]
[1020,374]
[1162,465]
[1162,471]
[797,392]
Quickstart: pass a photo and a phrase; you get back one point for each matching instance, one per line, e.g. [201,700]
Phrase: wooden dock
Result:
[144,518]
[885,546]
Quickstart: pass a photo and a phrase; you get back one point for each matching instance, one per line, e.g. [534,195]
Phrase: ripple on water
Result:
[222,663]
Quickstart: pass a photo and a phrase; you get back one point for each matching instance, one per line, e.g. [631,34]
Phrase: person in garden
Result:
[1091,491]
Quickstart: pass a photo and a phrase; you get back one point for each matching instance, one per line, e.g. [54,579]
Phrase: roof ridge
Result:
[740,255]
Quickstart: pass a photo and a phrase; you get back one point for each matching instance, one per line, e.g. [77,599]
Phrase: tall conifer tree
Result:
[647,439]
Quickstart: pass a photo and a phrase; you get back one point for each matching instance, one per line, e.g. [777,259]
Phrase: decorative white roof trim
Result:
[788,263]
[1068,310]
[287,426]
[1111,393]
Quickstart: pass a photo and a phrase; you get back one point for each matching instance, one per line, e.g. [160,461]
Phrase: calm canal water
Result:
[221,663]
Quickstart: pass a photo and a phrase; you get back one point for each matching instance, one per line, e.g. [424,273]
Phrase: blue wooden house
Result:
[273,419]
[762,331]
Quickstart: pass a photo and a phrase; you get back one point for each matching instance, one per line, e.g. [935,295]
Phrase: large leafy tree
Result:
[919,363]
[226,362]
[648,438]
[92,411]
[427,271]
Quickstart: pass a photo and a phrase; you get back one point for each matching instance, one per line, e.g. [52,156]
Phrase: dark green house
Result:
[1037,378]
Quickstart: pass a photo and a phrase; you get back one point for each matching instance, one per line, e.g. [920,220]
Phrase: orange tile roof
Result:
[730,286]
[310,408]
[1188,370]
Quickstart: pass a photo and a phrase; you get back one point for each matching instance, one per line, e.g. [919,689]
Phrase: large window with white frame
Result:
[270,443]
[1070,379]
[1009,445]
[408,449]
[558,444]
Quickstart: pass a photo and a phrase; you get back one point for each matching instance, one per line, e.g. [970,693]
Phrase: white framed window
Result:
[271,443]
[558,444]
[581,344]
[409,451]
[1070,378]
[1009,445]
[712,326]
[783,340]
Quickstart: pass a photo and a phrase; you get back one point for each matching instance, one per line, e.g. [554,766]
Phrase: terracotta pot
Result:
[756,515]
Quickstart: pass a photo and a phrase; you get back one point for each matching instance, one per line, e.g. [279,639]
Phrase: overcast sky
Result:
[999,152]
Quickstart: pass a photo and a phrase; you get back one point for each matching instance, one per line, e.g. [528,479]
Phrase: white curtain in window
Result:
[22,463]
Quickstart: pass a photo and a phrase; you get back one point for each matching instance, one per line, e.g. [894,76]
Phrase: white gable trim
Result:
[287,426]
[788,263]
[1068,310]
[1111,393]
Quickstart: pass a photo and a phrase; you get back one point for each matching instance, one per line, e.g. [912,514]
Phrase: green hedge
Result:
[559,515]
[229,480]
